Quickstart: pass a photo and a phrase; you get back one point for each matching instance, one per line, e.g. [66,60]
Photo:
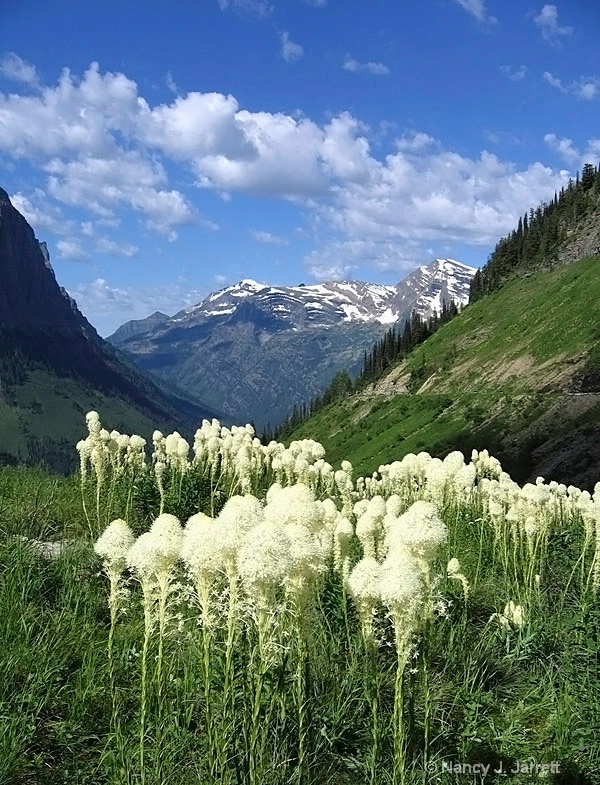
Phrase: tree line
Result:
[540,233]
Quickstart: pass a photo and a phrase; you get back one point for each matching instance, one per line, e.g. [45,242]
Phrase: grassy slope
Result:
[498,376]
[44,418]
[532,696]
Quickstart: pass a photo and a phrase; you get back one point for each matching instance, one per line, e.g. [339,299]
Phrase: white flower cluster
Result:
[275,550]
[399,551]
[234,450]
[108,452]
[422,477]
[512,616]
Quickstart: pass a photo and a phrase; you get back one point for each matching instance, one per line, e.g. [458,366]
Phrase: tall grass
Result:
[278,683]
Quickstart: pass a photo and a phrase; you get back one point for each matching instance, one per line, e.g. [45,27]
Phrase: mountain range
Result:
[254,351]
[54,367]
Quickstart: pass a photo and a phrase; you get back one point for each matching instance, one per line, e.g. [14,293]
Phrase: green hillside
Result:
[49,382]
[517,372]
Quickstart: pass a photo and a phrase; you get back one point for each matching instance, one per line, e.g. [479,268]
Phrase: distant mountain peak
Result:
[257,349]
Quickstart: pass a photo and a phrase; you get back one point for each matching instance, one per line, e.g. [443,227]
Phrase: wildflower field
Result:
[239,613]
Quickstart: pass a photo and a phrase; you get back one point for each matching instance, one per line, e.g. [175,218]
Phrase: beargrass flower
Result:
[512,616]
[113,544]
[364,587]
[419,529]
[402,592]
[454,572]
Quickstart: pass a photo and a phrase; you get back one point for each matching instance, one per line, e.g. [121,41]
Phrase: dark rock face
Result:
[40,325]
[30,298]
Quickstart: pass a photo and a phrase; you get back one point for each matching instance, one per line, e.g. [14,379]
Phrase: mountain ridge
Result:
[53,363]
[257,350]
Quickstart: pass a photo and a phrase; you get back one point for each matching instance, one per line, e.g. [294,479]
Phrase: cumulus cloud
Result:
[290,51]
[586,88]
[17,70]
[415,142]
[112,248]
[414,200]
[547,23]
[340,259]
[40,214]
[566,149]
[71,250]
[258,8]
[354,67]
[103,148]
[554,81]
[266,238]
[478,10]
[172,85]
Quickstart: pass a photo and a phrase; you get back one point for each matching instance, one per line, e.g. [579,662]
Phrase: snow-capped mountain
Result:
[253,350]
[319,305]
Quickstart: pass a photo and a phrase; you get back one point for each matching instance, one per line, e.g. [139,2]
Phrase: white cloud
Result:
[108,306]
[71,250]
[354,67]
[547,23]
[554,81]
[40,214]
[290,51]
[477,9]
[415,142]
[172,84]
[17,70]
[285,159]
[339,259]
[514,74]
[258,8]
[413,200]
[104,149]
[586,88]
[566,149]
[266,238]
[502,137]
[220,280]
[316,3]
[120,250]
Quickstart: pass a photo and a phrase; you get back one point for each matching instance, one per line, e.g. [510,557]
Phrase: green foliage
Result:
[540,234]
[385,353]
[505,365]
[493,695]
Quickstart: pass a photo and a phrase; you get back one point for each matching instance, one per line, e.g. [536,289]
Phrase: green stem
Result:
[399,738]
[210,736]
[143,699]
[229,675]
[373,689]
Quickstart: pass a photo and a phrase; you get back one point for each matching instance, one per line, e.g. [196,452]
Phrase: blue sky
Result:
[164,150]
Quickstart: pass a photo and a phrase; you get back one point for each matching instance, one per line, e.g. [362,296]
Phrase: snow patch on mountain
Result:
[325,305]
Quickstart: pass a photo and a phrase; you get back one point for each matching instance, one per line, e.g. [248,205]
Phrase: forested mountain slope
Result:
[517,372]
